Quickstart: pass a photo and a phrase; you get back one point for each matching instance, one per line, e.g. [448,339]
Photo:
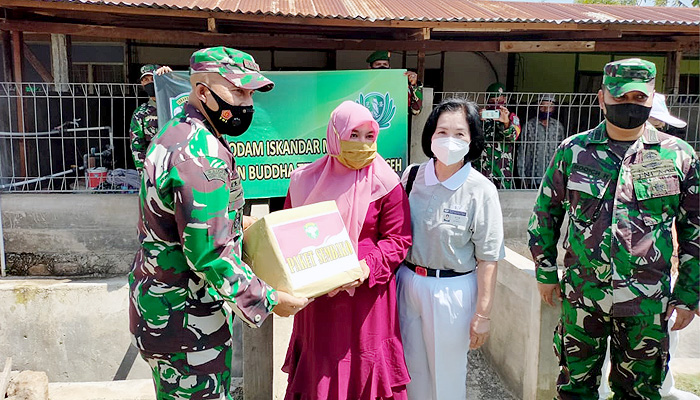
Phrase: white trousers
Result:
[435,315]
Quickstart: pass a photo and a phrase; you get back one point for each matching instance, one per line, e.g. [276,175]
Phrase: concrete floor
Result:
[136,389]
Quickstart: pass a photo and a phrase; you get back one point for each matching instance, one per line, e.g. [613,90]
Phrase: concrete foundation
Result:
[520,343]
[74,330]
[77,329]
[69,234]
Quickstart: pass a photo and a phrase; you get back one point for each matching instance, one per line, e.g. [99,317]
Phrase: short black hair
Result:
[471,110]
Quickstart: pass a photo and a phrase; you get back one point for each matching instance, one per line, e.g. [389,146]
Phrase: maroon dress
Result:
[349,347]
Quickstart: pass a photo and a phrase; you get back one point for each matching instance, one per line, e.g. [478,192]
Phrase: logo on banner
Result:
[381,106]
[311,230]
[176,103]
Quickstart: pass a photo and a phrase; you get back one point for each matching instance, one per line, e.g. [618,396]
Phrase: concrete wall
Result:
[75,330]
[415,151]
[468,72]
[520,343]
[69,234]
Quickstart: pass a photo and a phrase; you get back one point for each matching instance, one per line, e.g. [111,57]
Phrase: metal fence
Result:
[50,140]
[576,112]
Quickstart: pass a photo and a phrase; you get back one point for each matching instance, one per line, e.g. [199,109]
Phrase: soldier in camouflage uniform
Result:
[144,122]
[380,59]
[187,278]
[622,185]
[496,161]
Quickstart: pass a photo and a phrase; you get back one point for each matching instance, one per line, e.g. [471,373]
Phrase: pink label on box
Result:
[316,241]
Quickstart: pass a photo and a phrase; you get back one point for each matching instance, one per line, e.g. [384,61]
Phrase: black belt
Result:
[435,273]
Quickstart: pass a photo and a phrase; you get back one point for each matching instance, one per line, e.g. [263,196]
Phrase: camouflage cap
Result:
[632,74]
[496,87]
[148,69]
[378,55]
[235,66]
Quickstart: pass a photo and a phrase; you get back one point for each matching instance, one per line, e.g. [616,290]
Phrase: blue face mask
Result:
[544,115]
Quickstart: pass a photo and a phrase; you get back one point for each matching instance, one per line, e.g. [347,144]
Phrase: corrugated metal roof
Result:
[430,10]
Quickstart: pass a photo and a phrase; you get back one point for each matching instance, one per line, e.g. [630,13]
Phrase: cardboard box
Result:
[304,251]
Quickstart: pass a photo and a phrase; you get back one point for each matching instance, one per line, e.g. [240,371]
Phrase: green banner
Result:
[289,124]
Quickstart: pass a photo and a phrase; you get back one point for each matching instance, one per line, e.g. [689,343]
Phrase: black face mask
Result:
[228,119]
[150,89]
[626,115]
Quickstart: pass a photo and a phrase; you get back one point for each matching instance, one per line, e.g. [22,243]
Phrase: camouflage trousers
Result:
[192,376]
[638,351]
[498,167]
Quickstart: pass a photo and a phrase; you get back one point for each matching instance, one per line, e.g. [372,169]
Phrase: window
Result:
[689,84]
[589,82]
[97,73]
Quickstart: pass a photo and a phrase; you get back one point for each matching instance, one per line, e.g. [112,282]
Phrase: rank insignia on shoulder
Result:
[216,174]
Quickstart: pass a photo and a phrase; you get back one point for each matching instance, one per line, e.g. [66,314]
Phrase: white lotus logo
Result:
[311,230]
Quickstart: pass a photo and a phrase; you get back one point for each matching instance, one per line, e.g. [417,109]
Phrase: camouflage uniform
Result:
[187,277]
[144,124]
[619,246]
[496,161]
[622,199]
[144,127]
[415,92]
[415,98]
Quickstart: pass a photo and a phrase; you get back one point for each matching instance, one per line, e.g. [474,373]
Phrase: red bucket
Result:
[95,176]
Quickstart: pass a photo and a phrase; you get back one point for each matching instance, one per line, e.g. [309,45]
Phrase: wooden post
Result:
[6,56]
[421,65]
[17,60]
[59,62]
[258,344]
[257,361]
[673,72]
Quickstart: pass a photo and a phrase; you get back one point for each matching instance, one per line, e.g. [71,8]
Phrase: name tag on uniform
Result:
[454,217]
[653,169]
[655,178]
[587,179]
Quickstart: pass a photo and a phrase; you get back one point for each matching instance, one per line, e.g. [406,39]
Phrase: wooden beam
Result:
[575,35]
[17,60]
[546,46]
[244,40]
[646,46]
[247,40]
[673,71]
[274,19]
[415,34]
[38,66]
[421,66]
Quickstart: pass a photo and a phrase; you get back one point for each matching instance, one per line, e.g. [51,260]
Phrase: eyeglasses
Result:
[629,72]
